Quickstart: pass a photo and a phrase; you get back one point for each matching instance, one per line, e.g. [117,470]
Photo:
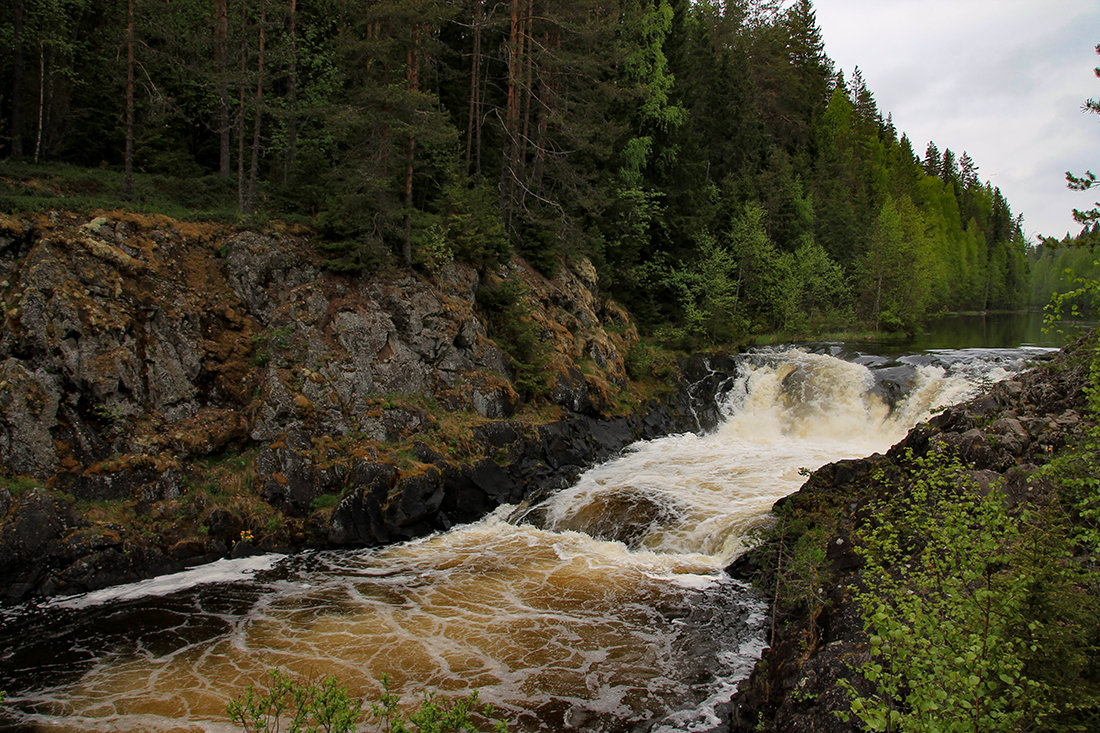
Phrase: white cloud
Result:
[1003,80]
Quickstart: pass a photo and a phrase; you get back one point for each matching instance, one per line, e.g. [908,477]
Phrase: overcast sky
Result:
[1003,80]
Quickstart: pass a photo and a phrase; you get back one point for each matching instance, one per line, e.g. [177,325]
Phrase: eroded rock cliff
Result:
[168,388]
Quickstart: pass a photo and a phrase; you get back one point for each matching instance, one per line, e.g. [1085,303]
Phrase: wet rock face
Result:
[35,529]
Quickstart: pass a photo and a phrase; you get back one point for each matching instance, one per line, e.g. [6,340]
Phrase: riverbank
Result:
[838,635]
[175,392]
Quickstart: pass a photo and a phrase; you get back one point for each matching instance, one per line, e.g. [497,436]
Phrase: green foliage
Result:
[324,501]
[1083,296]
[511,325]
[1077,471]
[19,485]
[461,716]
[295,705]
[474,230]
[973,613]
[25,187]
[706,290]
[644,360]
[703,153]
[800,570]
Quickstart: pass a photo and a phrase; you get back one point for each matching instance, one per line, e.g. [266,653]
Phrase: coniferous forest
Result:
[723,177]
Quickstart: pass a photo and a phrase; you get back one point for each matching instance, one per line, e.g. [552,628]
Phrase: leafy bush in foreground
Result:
[301,706]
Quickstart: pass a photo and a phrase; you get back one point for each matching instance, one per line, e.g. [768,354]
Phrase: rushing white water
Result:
[604,609]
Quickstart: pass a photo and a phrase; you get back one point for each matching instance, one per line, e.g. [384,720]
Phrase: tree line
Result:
[721,174]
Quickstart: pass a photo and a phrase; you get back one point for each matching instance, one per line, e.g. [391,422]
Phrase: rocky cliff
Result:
[171,393]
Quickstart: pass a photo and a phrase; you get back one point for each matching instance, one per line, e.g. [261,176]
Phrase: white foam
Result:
[220,571]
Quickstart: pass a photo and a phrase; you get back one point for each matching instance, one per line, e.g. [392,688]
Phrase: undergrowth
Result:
[297,705]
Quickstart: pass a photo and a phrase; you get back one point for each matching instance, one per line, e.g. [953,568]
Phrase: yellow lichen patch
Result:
[302,403]
[111,254]
[10,224]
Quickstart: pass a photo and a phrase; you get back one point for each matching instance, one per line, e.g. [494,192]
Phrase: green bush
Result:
[976,616]
[508,315]
[474,230]
[296,706]
[301,706]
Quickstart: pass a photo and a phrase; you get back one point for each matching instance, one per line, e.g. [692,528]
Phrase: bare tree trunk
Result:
[221,51]
[292,93]
[41,99]
[510,158]
[257,115]
[241,112]
[473,122]
[412,77]
[528,94]
[129,164]
[545,98]
[17,82]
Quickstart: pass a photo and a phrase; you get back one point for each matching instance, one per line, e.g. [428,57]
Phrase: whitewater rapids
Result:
[605,608]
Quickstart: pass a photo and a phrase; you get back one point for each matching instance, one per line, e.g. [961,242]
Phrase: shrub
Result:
[974,614]
[300,706]
[296,707]
[508,315]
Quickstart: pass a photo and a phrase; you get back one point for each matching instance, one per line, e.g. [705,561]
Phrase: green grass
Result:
[18,485]
[29,188]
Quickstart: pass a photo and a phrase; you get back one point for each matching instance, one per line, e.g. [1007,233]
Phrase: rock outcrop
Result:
[166,386]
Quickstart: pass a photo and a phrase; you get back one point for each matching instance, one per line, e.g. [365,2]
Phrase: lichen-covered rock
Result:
[29,404]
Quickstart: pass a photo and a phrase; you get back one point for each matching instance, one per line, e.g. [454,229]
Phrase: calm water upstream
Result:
[603,609]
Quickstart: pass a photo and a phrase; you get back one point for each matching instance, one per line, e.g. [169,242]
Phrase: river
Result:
[603,609]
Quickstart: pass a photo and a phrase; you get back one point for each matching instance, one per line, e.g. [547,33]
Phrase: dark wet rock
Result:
[288,479]
[31,540]
[358,518]
[894,383]
[244,549]
[624,516]
[570,390]
[706,379]
[112,485]
[169,485]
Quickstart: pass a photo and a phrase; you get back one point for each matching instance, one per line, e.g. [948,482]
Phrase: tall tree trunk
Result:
[17,82]
[551,42]
[129,163]
[41,99]
[221,52]
[528,95]
[473,122]
[512,148]
[412,78]
[241,110]
[257,115]
[292,94]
